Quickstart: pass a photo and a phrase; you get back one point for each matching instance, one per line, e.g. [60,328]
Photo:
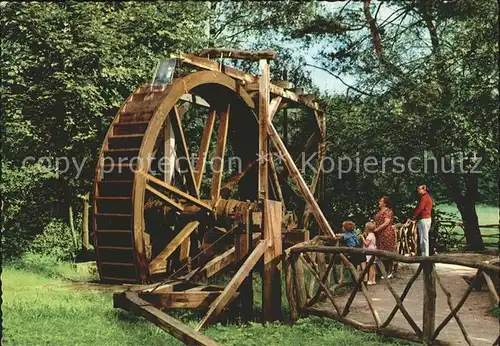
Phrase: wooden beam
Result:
[274,106]
[183,149]
[169,201]
[132,302]
[216,264]
[181,300]
[220,262]
[286,94]
[262,184]
[176,191]
[220,150]
[238,54]
[295,174]
[158,264]
[271,278]
[211,65]
[195,99]
[232,286]
[204,146]
[276,181]
[429,315]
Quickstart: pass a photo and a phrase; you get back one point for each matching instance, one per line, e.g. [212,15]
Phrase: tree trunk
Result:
[471,225]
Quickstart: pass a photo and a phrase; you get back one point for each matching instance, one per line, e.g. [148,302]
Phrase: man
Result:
[423,214]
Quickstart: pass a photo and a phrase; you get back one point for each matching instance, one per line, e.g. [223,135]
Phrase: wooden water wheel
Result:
[150,223]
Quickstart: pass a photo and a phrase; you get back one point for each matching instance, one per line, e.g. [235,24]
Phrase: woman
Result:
[384,234]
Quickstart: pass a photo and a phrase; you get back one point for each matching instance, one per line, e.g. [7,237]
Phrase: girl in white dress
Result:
[369,242]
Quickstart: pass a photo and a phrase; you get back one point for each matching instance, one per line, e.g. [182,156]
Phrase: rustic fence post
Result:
[429,313]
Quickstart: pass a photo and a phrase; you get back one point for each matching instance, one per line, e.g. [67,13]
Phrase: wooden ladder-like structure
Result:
[113,227]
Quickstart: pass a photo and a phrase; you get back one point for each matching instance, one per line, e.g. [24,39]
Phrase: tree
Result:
[428,71]
[66,68]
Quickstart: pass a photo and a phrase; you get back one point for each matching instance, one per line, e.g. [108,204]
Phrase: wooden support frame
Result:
[176,191]
[252,81]
[170,202]
[238,54]
[158,264]
[132,302]
[181,300]
[224,298]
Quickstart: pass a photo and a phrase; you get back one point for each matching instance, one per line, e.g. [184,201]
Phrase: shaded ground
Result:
[482,328]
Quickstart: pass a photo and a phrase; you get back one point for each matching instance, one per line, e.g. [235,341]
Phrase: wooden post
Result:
[263,119]
[85,221]
[299,277]
[244,241]
[72,227]
[429,314]
[271,280]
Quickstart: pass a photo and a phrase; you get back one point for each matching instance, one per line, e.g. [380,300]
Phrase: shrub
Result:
[55,242]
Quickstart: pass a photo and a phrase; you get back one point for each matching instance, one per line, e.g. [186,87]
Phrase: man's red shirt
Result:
[424,208]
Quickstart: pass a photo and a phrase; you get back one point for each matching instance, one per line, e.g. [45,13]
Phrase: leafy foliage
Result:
[66,68]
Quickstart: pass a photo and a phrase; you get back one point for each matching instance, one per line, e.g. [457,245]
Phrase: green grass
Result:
[41,307]
[486,214]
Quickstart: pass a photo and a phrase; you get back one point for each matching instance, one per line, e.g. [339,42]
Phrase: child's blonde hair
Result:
[370,226]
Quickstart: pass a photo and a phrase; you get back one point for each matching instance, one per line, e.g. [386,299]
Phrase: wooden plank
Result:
[181,300]
[132,302]
[211,65]
[195,99]
[204,146]
[274,106]
[169,201]
[238,54]
[246,289]
[274,176]
[286,94]
[232,286]
[271,278]
[182,147]
[429,314]
[220,150]
[158,263]
[262,185]
[184,253]
[295,174]
[216,264]
[176,191]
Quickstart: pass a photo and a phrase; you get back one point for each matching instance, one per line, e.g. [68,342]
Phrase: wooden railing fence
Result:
[312,275]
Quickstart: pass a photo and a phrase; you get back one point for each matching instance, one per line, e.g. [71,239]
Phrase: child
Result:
[349,236]
[350,239]
[369,242]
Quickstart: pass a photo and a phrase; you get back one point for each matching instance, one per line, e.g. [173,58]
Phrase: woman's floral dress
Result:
[386,237]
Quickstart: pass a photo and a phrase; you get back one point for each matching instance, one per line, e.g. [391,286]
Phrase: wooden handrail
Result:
[396,257]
